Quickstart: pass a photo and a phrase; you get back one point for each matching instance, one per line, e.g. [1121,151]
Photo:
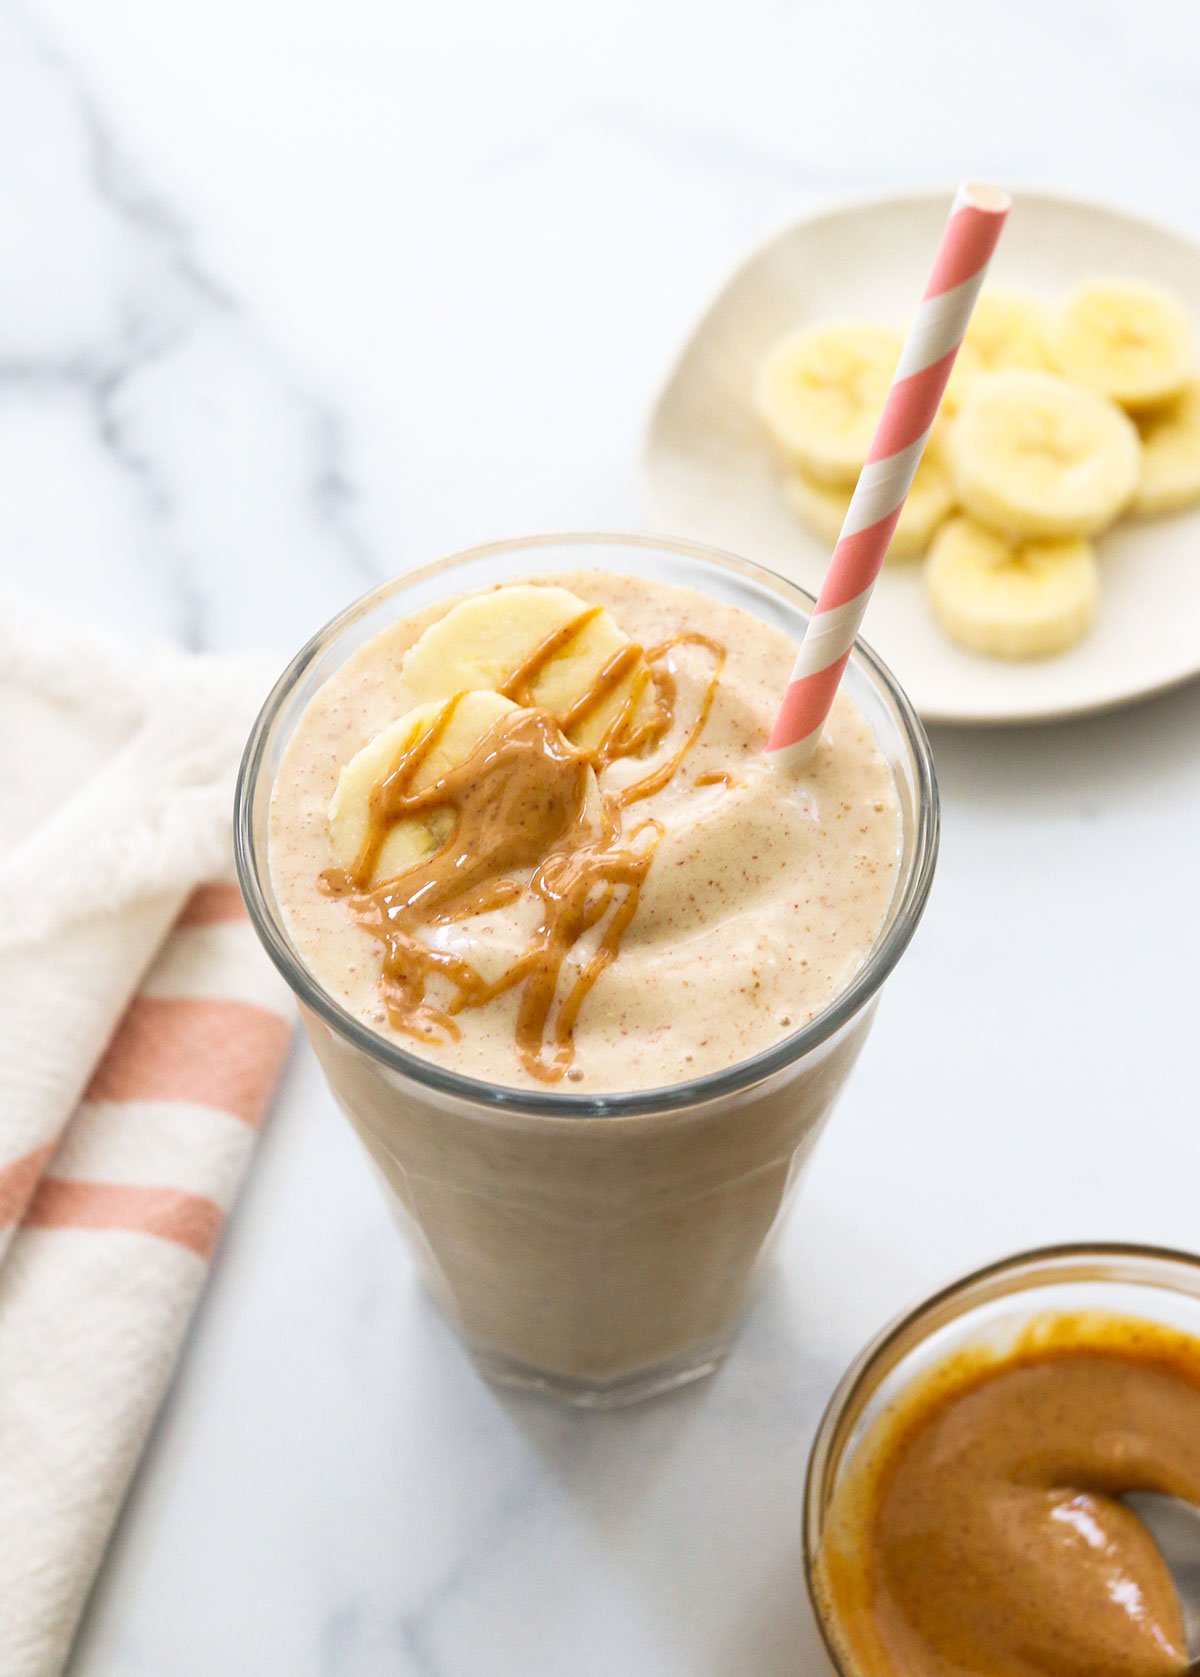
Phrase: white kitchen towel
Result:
[141,1033]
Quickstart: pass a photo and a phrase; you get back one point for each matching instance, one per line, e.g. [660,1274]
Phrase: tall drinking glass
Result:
[600,1247]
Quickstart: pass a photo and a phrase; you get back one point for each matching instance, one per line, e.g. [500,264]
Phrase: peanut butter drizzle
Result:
[517,687]
[380,815]
[667,692]
[520,801]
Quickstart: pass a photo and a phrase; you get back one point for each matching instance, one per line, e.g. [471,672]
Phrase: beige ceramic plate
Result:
[709,473]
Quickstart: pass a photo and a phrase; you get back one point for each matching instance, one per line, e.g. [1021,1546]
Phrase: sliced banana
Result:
[484,641]
[411,840]
[1132,341]
[1011,599]
[820,393]
[1036,455]
[1170,455]
[964,375]
[1010,328]
[822,506]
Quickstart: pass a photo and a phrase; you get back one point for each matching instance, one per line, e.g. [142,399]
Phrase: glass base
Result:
[617,1393]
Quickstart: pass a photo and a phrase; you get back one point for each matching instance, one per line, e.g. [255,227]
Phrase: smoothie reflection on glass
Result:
[585,969]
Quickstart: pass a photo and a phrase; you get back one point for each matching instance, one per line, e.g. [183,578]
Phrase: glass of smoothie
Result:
[583,968]
[963,1506]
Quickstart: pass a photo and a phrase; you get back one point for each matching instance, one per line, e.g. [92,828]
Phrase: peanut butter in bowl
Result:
[975,1528]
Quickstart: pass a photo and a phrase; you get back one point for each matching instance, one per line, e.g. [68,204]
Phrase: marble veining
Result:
[295,296]
[185,398]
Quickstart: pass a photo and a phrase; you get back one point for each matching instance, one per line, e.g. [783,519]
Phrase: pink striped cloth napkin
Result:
[141,1034]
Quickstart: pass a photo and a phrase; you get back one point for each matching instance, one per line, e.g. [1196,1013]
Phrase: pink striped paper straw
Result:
[976,218]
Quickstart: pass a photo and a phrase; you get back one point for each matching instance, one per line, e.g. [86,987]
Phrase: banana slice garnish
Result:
[411,840]
[1036,455]
[1132,341]
[1011,599]
[578,665]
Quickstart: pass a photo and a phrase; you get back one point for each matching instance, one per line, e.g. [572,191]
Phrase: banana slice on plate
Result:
[1132,341]
[1010,328]
[1036,455]
[1170,455]
[822,506]
[1011,599]
[964,375]
[411,840]
[579,664]
[820,393]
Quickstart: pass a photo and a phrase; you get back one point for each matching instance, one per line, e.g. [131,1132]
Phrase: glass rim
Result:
[623,1103]
[1059,1264]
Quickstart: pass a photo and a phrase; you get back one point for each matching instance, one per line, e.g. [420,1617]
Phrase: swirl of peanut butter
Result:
[985,1537]
[520,806]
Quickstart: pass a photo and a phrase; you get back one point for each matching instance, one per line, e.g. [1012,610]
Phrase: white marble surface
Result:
[294,296]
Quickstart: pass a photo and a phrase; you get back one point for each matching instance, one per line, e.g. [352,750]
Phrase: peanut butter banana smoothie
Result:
[570,940]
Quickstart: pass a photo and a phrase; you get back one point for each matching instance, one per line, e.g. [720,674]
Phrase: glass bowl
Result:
[987,1311]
